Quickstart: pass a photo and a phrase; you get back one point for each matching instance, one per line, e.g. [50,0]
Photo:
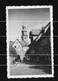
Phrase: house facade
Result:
[18,47]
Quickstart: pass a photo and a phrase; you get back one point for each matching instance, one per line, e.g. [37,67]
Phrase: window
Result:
[15,46]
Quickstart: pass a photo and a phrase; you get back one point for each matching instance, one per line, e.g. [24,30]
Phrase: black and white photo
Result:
[29,41]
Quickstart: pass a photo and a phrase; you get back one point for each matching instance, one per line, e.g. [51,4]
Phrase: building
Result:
[33,34]
[40,45]
[18,47]
[22,46]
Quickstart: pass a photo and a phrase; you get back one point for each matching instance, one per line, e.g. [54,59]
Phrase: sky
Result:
[31,18]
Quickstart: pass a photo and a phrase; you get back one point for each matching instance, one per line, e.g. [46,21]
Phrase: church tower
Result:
[24,34]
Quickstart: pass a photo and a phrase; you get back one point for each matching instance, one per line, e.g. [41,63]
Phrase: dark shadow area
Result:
[40,48]
[46,69]
[36,63]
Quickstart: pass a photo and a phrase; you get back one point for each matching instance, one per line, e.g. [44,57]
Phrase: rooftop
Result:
[35,32]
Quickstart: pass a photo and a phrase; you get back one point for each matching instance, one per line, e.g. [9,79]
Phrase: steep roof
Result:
[18,41]
[11,43]
[43,31]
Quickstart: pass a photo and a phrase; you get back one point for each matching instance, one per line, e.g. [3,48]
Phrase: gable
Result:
[17,44]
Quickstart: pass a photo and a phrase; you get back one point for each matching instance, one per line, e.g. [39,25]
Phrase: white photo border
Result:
[7,41]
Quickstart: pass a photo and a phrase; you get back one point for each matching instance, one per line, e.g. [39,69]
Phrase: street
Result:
[29,69]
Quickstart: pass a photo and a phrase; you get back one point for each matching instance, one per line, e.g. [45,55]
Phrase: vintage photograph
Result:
[29,41]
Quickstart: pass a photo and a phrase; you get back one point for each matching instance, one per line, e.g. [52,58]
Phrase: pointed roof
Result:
[18,41]
[43,31]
